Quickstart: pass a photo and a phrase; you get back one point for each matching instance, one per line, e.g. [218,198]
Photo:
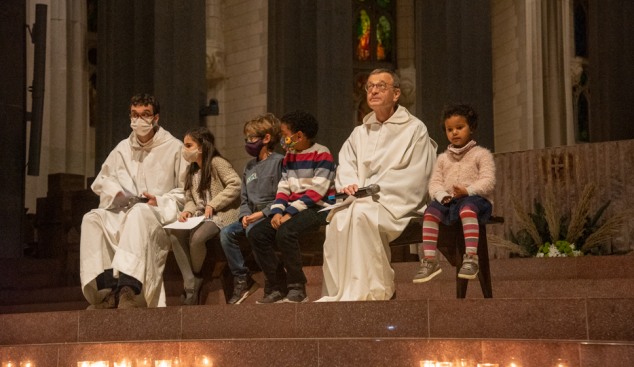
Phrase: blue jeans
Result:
[229,242]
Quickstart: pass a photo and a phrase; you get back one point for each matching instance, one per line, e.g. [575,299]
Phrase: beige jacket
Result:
[224,190]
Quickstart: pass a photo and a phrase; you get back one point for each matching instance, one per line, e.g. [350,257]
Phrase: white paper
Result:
[341,204]
[191,223]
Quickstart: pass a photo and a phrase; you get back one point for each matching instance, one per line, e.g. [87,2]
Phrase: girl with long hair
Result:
[212,189]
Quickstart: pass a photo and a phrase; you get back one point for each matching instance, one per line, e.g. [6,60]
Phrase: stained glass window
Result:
[363,35]
[374,45]
[384,40]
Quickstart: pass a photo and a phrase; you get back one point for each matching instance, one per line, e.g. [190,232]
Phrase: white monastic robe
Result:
[133,241]
[399,156]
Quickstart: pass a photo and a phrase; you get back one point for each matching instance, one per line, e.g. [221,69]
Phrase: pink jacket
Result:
[475,170]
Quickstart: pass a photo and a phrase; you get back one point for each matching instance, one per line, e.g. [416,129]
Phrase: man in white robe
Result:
[124,245]
[392,149]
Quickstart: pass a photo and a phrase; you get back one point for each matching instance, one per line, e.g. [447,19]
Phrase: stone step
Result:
[605,320]
[506,285]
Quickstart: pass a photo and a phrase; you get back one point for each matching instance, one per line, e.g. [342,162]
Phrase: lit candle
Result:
[427,363]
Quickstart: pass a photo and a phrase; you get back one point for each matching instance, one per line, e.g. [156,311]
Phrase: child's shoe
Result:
[273,297]
[470,267]
[429,268]
[296,294]
[243,288]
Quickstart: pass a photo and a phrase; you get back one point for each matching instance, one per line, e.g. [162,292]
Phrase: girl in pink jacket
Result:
[462,181]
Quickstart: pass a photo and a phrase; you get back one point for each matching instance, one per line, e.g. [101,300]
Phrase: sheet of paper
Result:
[346,202]
[190,224]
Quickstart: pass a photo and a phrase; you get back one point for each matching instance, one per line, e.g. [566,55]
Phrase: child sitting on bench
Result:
[462,181]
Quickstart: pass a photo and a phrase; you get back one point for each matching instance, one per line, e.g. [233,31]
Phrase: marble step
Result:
[604,320]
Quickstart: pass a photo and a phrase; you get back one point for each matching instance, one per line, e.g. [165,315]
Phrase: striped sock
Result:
[430,233]
[471,229]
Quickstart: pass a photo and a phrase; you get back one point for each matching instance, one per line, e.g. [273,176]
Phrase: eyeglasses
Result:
[381,87]
[252,139]
[144,116]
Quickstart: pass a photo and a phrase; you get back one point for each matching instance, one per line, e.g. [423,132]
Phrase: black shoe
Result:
[296,294]
[274,297]
[243,288]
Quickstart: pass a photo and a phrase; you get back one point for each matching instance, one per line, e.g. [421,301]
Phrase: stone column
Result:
[13,137]
[65,126]
[149,46]
[310,64]
[406,53]
[454,63]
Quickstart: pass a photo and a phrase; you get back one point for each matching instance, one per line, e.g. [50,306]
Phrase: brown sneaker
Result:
[127,298]
[109,302]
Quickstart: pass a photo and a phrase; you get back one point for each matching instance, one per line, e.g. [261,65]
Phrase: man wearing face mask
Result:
[123,243]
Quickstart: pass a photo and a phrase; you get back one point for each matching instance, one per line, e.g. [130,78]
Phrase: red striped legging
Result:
[470,227]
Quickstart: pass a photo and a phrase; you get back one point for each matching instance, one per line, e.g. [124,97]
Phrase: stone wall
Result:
[237,46]
[509,74]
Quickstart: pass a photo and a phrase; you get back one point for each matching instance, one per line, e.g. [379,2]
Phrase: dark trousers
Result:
[107,280]
[263,238]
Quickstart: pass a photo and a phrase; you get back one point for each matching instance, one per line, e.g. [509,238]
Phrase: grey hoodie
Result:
[259,185]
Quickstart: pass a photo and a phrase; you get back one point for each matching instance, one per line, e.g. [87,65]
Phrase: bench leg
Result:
[461,284]
[484,275]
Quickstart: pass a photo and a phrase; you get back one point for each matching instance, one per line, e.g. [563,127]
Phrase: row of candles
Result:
[145,362]
[470,363]
[206,362]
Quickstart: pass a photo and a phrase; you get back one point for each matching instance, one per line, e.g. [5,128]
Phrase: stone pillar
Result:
[310,64]
[406,53]
[13,137]
[611,76]
[149,46]
[65,127]
[453,63]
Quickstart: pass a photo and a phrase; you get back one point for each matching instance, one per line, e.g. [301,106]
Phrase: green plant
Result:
[538,218]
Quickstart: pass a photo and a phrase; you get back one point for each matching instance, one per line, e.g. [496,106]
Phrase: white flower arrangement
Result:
[558,249]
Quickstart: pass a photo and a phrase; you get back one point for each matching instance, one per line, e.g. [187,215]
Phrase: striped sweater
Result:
[307,180]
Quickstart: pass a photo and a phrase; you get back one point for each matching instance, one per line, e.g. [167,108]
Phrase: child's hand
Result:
[250,219]
[459,191]
[209,212]
[184,216]
[285,218]
[446,199]
[276,221]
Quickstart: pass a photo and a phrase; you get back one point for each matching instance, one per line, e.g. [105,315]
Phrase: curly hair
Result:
[301,121]
[145,99]
[461,109]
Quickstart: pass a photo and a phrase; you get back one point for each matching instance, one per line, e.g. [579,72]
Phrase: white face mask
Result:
[141,126]
[191,155]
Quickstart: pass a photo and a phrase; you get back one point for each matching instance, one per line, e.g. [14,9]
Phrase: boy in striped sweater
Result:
[308,173]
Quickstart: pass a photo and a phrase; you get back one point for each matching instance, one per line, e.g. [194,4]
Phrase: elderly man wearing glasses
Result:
[391,149]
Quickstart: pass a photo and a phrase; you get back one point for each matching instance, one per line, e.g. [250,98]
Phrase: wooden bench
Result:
[450,244]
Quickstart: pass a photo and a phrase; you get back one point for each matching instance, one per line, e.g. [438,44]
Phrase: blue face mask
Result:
[287,143]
